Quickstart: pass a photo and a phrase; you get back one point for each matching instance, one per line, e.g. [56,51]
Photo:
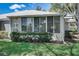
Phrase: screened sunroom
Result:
[37,24]
[51,24]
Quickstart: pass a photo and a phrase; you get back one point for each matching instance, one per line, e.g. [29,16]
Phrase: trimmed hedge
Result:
[31,37]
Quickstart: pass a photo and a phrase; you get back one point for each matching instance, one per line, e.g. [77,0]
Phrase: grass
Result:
[38,49]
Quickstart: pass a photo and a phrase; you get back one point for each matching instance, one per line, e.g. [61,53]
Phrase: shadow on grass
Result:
[3,54]
[71,47]
[51,50]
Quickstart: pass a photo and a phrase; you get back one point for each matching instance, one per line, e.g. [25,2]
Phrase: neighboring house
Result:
[34,21]
[70,23]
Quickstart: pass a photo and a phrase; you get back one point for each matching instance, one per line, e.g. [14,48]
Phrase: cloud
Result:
[16,10]
[22,5]
[15,7]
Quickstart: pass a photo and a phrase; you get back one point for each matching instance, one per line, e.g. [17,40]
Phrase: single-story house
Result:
[34,21]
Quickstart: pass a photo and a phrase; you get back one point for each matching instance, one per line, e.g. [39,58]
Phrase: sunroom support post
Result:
[46,23]
[33,25]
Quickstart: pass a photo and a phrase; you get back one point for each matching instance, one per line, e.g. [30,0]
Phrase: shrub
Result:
[3,34]
[69,34]
[31,37]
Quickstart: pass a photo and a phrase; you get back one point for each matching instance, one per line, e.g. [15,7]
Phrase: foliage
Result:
[31,37]
[3,34]
[38,8]
[68,34]
[66,8]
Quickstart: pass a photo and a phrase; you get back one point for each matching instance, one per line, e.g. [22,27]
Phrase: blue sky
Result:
[12,7]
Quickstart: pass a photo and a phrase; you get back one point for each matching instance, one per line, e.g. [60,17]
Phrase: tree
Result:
[56,7]
[68,7]
[38,8]
[65,8]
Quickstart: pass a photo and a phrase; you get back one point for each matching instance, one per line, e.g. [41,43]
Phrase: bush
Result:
[3,34]
[31,37]
[69,34]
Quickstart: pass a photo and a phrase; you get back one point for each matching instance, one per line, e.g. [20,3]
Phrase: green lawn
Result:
[38,49]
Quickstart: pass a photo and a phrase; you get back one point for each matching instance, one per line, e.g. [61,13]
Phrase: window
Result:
[24,23]
[29,24]
[15,24]
[39,24]
[53,24]
[36,24]
[16,27]
[50,24]
[42,24]
[57,24]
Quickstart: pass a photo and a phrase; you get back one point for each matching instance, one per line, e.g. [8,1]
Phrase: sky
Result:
[13,7]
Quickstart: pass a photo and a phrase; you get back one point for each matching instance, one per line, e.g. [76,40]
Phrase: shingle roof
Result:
[28,13]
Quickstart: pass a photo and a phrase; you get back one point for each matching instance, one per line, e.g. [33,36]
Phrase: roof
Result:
[3,16]
[28,13]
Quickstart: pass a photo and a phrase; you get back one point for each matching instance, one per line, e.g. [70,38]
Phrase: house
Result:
[70,23]
[34,21]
